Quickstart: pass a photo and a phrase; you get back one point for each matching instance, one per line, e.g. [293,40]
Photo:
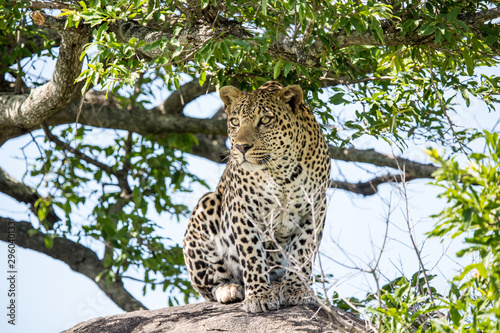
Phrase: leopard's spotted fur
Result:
[267,213]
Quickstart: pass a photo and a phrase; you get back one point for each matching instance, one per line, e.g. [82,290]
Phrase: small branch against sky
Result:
[120,175]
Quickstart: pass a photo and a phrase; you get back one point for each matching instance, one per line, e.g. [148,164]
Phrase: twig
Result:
[119,174]
[443,106]
[414,244]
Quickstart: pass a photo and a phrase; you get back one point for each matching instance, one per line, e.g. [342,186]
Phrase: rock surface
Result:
[215,317]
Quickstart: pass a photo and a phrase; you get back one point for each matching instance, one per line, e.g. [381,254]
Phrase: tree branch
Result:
[20,114]
[26,194]
[290,51]
[211,133]
[186,93]
[36,5]
[411,168]
[200,32]
[213,145]
[98,111]
[79,258]
[121,175]
[370,187]
[477,19]
[76,152]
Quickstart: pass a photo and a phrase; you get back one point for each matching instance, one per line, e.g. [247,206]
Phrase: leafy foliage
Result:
[405,89]
[472,303]
[404,305]
[155,172]
[474,196]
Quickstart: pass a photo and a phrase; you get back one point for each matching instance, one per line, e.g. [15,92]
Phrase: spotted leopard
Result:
[255,237]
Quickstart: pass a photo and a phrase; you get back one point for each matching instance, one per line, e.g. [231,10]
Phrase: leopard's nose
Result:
[243,148]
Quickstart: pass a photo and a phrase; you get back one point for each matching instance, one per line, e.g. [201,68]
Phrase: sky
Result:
[51,297]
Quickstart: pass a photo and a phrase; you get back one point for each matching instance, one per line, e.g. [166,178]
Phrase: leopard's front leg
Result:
[301,249]
[259,296]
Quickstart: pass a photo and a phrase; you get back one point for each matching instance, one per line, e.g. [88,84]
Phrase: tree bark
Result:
[20,114]
[26,194]
[411,168]
[107,113]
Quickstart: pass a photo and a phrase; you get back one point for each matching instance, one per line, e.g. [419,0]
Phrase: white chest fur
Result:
[281,208]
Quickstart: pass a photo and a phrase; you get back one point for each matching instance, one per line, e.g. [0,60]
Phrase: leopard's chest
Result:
[277,210]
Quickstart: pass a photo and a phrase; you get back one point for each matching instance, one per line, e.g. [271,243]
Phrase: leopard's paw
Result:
[296,296]
[261,303]
[229,293]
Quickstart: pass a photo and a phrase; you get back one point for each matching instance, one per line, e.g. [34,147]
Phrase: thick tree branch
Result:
[101,112]
[212,145]
[290,50]
[477,19]
[26,194]
[186,93]
[21,114]
[370,187]
[80,258]
[107,113]
[411,168]
[36,5]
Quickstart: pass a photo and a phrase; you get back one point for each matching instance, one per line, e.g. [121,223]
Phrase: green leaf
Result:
[137,196]
[49,241]
[225,50]
[453,14]
[427,29]
[468,62]
[102,28]
[277,69]
[376,29]
[98,175]
[287,68]
[358,24]
[492,39]
[42,211]
[203,78]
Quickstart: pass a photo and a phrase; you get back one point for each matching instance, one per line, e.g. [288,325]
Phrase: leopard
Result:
[254,238]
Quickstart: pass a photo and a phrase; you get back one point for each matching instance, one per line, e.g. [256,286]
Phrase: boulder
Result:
[215,317]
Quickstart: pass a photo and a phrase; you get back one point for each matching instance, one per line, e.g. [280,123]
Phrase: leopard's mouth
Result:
[253,162]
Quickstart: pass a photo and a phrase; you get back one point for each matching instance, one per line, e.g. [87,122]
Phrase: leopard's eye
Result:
[234,122]
[265,120]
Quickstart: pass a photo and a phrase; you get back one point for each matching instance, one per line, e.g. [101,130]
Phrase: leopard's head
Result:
[263,125]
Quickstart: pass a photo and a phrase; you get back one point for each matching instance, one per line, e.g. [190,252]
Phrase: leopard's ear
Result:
[292,95]
[229,95]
